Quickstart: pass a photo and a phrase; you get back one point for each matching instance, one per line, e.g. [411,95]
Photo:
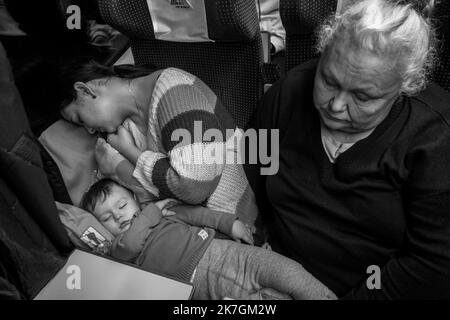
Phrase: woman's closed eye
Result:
[77,120]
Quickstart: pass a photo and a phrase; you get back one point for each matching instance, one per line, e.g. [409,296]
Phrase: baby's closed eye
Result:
[105,217]
[123,205]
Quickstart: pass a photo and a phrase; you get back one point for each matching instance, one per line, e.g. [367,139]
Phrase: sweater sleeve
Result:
[128,245]
[203,217]
[422,268]
[191,138]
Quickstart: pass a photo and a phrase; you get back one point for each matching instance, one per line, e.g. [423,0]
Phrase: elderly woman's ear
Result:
[83,89]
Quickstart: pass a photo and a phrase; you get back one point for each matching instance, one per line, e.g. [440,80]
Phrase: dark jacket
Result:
[33,242]
[172,245]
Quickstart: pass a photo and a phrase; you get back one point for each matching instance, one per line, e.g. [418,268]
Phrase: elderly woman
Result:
[155,122]
[362,195]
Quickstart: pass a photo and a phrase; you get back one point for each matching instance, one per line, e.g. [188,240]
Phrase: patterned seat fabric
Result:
[231,65]
[271,72]
[441,74]
[301,18]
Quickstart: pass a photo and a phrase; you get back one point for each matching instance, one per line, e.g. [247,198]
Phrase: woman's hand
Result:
[123,142]
[120,140]
[240,231]
[107,158]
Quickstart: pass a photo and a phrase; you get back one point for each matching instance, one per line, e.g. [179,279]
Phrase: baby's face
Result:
[117,211]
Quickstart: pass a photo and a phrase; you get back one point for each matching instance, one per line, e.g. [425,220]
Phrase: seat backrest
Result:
[441,74]
[230,65]
[301,18]
[32,239]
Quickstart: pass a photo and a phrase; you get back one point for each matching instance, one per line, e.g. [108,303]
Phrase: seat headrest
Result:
[172,20]
[304,16]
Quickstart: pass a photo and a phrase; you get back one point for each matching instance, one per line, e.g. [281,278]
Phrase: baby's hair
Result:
[97,192]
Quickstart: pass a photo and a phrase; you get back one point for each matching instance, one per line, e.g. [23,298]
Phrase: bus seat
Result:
[231,64]
[441,73]
[33,242]
[301,18]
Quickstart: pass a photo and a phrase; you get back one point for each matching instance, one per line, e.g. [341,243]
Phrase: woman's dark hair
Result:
[93,70]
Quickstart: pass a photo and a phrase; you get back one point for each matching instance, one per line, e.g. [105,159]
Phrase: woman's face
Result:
[354,90]
[98,108]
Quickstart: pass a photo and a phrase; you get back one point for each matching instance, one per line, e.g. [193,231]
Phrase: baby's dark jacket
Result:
[171,245]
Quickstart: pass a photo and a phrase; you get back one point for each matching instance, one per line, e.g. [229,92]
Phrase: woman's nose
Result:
[338,103]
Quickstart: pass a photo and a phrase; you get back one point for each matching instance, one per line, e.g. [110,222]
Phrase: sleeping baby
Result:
[182,244]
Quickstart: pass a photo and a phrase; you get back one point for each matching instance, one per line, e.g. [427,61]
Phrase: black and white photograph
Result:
[224,158]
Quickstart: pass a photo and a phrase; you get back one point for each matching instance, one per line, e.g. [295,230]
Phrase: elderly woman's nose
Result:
[339,103]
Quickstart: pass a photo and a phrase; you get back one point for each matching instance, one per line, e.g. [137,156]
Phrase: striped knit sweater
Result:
[188,169]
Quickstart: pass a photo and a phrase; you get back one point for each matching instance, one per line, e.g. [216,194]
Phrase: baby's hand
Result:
[166,203]
[164,206]
[240,231]
[167,213]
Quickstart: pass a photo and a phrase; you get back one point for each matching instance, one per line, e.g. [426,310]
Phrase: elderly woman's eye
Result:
[329,83]
[362,97]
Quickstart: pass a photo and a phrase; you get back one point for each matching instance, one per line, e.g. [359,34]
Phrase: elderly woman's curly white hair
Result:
[398,30]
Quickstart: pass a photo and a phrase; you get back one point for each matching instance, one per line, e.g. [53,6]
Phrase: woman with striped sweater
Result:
[156,124]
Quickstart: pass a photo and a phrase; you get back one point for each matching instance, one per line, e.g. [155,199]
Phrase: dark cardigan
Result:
[384,202]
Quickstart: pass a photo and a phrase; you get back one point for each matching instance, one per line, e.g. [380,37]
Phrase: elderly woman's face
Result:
[354,90]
